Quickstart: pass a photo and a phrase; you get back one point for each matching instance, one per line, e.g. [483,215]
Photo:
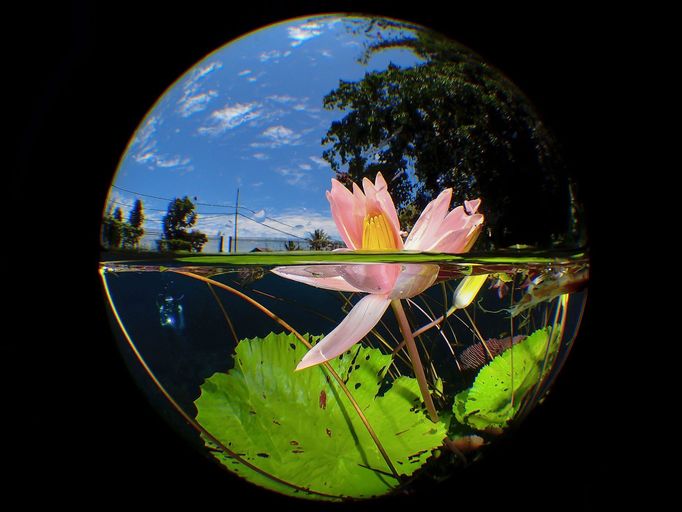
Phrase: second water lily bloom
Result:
[367,220]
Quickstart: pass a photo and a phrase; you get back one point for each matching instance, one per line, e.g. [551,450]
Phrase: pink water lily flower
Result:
[367,220]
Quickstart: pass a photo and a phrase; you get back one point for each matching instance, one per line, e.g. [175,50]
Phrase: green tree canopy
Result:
[449,121]
[319,240]
[133,230]
[136,217]
[181,215]
[112,228]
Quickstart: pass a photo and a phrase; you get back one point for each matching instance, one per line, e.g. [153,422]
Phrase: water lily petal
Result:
[456,241]
[327,277]
[453,233]
[426,227]
[451,241]
[472,236]
[458,218]
[472,206]
[376,278]
[368,189]
[388,207]
[348,211]
[359,196]
[414,279]
[359,321]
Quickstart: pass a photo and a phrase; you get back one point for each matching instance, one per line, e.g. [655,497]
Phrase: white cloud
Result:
[302,221]
[302,106]
[305,221]
[273,55]
[281,98]
[297,104]
[214,224]
[250,76]
[291,176]
[144,136]
[278,136]
[175,161]
[308,220]
[327,53]
[257,184]
[192,99]
[201,72]
[145,151]
[231,116]
[145,157]
[310,29]
[302,33]
[352,42]
[261,156]
[196,103]
[305,167]
[319,161]
[266,56]
[279,133]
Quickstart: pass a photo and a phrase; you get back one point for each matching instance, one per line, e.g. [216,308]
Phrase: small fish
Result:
[546,287]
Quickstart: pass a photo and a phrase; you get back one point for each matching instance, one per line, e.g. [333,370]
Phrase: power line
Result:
[111,201]
[222,215]
[204,204]
[168,199]
[271,227]
[137,193]
[205,214]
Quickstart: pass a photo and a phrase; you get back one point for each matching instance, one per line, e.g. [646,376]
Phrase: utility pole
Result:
[236,217]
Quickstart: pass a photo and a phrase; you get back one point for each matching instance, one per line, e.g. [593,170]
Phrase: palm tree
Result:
[290,245]
[319,240]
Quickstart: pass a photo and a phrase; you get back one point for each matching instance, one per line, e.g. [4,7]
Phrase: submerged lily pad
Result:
[501,386]
[301,432]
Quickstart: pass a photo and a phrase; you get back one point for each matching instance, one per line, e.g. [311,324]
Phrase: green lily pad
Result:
[513,373]
[313,257]
[301,432]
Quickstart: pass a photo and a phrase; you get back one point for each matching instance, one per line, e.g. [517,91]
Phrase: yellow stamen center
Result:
[377,234]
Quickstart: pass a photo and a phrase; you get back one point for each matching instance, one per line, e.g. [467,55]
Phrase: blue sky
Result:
[249,116]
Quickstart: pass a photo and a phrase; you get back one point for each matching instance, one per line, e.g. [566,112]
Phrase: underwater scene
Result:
[426,389]
[342,256]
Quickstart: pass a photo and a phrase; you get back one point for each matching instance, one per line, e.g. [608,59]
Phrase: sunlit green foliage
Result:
[503,385]
[300,427]
[449,121]
[181,216]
